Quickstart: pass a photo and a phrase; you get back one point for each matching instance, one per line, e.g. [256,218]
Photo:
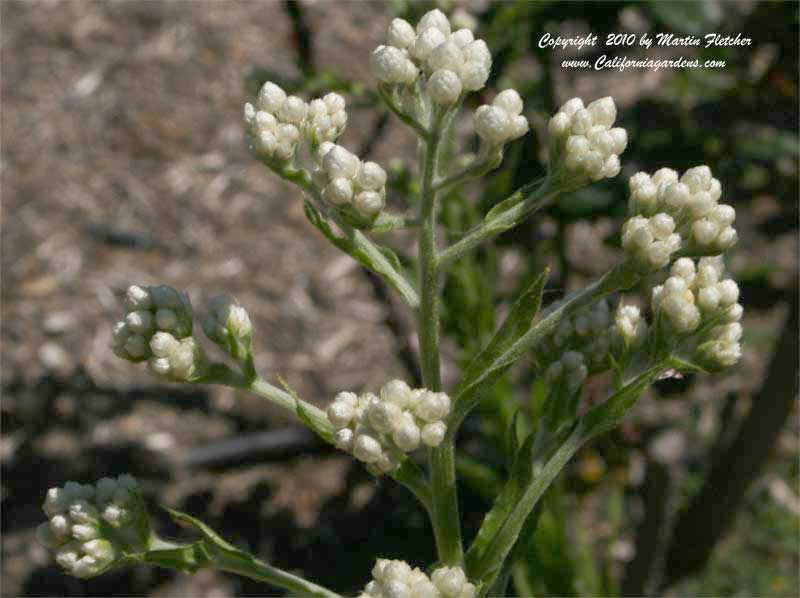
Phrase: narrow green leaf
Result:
[473,385]
[518,322]
[508,202]
[609,414]
[520,477]
[213,551]
[316,219]
[188,558]
[502,526]
[208,534]
[377,258]
[321,427]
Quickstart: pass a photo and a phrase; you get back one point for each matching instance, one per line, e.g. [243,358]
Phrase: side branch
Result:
[386,96]
[511,212]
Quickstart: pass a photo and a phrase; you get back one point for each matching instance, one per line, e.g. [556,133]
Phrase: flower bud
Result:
[433,433]
[444,87]
[509,101]
[400,34]
[270,97]
[366,448]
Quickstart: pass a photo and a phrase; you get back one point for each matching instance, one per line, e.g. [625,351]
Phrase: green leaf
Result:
[187,558]
[518,322]
[520,476]
[475,383]
[508,202]
[321,427]
[379,259]
[208,534]
[386,221]
[314,217]
[609,414]
[514,433]
[480,478]
[214,551]
[501,527]
[551,559]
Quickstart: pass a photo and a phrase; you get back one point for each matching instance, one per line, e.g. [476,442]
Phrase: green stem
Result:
[487,560]
[524,202]
[373,257]
[386,96]
[408,474]
[478,167]
[387,221]
[261,571]
[468,393]
[445,517]
[264,389]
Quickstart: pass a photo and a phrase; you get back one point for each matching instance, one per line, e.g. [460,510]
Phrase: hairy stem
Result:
[386,96]
[445,517]
[209,554]
[361,244]
[408,474]
[522,203]
[261,571]
[470,389]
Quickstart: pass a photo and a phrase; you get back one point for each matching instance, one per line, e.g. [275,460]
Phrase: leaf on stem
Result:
[322,428]
[520,318]
[528,482]
[383,261]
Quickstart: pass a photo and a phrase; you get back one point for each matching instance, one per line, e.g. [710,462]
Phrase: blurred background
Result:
[123,161]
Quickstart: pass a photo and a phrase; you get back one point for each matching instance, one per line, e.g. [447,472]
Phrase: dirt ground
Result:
[123,161]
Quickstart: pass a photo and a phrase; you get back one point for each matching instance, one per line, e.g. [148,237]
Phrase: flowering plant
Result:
[675,226]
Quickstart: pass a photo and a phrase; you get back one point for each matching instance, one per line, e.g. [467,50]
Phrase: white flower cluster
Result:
[78,518]
[651,241]
[689,205]
[693,295]
[583,141]
[396,579]
[502,121]
[571,368]
[378,430]
[158,327]
[277,121]
[454,61]
[347,181]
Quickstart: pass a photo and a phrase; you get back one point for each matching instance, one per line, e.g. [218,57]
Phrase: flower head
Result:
[449,62]
[90,527]
[696,300]
[157,328]
[396,579]
[502,121]
[690,202]
[583,145]
[379,430]
[355,187]
[277,123]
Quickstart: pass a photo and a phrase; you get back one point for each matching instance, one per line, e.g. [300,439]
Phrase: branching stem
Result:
[445,516]
[530,199]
